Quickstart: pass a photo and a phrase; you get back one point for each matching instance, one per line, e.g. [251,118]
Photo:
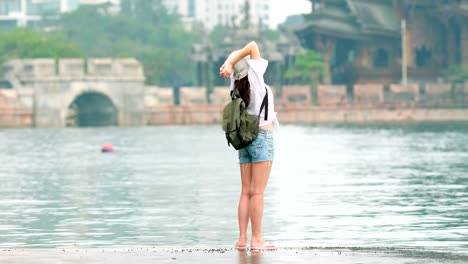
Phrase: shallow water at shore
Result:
[340,186]
[222,255]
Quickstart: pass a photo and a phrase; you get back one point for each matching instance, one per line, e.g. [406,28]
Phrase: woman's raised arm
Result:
[250,49]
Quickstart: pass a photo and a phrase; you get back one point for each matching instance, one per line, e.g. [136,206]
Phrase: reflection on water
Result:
[178,186]
[253,257]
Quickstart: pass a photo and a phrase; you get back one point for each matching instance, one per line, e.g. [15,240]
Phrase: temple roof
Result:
[460,8]
[356,19]
[375,17]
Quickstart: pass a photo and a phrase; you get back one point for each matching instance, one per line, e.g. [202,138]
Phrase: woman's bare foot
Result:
[241,244]
[261,245]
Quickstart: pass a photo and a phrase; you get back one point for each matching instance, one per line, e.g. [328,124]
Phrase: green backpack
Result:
[240,127]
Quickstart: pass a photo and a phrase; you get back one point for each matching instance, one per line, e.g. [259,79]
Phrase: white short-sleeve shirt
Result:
[257,91]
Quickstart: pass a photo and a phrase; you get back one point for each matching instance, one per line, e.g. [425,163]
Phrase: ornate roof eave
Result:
[460,9]
[324,14]
[333,33]
[388,27]
[383,32]
[357,34]
[422,3]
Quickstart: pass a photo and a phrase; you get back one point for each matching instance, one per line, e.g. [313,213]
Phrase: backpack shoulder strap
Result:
[234,94]
[264,105]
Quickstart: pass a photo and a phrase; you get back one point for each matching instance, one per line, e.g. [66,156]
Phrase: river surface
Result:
[336,186]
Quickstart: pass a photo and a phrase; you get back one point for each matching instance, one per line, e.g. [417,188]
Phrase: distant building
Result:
[361,41]
[28,12]
[113,9]
[213,12]
[221,12]
[98,2]
[208,12]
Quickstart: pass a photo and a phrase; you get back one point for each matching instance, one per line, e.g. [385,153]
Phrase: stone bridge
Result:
[78,92]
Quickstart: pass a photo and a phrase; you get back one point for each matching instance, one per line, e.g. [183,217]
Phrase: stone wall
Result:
[180,115]
[12,112]
[158,96]
[193,96]
[32,68]
[437,93]
[185,114]
[332,95]
[124,68]
[370,94]
[296,95]
[403,104]
[460,93]
[370,116]
[221,96]
[72,67]
[403,93]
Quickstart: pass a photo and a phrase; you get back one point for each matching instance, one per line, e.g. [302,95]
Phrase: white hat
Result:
[241,69]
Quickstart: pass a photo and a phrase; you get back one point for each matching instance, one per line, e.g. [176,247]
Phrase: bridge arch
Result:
[91,107]
[54,88]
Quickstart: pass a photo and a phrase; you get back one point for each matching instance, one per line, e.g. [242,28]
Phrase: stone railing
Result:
[333,104]
[332,95]
[38,69]
[156,96]
[362,95]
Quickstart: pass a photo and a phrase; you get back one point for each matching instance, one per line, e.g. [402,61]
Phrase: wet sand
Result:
[221,255]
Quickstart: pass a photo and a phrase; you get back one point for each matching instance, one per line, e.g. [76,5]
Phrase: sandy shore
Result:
[221,255]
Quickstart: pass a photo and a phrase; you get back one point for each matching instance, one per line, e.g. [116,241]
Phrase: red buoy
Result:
[107,148]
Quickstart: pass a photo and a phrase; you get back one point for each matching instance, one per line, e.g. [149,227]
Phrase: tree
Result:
[457,73]
[147,32]
[307,69]
[26,43]
[246,11]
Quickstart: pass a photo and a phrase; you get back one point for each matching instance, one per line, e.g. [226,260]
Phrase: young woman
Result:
[246,68]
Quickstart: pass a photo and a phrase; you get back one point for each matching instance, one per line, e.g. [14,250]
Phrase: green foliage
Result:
[457,73]
[26,43]
[272,35]
[246,9]
[307,69]
[143,30]
[218,33]
[148,11]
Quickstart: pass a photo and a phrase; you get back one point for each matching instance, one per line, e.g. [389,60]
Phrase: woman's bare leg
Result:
[243,210]
[260,174]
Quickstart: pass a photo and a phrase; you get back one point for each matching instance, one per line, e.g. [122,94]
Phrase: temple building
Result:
[363,41]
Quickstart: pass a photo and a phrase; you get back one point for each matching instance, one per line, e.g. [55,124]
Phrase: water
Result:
[343,186]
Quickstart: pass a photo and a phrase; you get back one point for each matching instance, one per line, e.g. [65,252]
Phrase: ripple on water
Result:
[343,186]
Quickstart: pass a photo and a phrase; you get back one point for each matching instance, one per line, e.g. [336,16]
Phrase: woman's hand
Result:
[226,70]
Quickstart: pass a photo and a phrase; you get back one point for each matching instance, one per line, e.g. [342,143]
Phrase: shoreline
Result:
[228,255]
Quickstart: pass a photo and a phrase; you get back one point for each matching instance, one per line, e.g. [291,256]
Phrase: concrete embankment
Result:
[209,115]
[207,255]
[168,115]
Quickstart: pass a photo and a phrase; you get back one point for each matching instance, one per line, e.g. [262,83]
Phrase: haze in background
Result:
[282,9]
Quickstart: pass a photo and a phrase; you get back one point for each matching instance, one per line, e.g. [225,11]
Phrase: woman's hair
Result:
[243,86]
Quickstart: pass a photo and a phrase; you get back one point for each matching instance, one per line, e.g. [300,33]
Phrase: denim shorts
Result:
[261,149]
